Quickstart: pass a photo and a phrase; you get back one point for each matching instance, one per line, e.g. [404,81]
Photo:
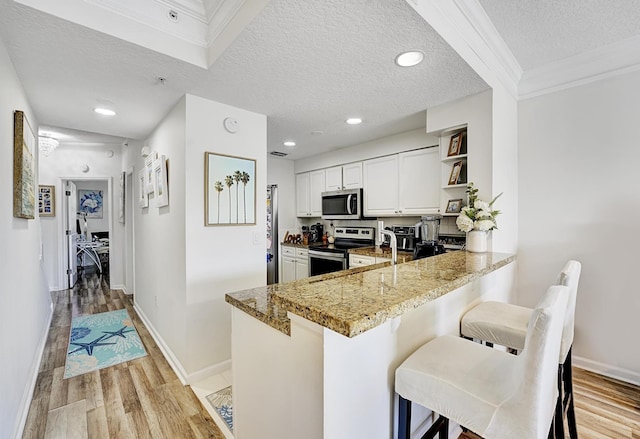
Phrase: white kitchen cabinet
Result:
[419,182]
[288,269]
[344,177]
[380,178]
[295,263]
[402,184]
[361,261]
[309,188]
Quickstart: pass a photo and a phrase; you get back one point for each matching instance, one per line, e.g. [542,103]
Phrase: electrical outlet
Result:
[256,238]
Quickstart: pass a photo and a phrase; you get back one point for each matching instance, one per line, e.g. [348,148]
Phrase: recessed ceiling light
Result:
[289,143]
[353,121]
[104,111]
[409,59]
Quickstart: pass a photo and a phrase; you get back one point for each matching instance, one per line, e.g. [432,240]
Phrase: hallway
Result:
[142,398]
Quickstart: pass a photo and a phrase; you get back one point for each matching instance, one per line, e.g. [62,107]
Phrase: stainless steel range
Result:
[328,258]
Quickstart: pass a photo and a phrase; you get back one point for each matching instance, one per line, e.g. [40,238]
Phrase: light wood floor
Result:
[605,408]
[142,398]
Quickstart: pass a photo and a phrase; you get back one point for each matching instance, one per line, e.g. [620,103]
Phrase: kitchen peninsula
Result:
[316,358]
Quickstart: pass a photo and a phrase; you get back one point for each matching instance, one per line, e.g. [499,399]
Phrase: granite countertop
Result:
[382,252]
[353,301]
[311,244]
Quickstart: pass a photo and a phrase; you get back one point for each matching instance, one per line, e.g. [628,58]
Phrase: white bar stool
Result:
[490,392]
[506,325]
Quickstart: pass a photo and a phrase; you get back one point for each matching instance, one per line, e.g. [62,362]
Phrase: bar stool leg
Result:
[558,418]
[568,399]
[404,418]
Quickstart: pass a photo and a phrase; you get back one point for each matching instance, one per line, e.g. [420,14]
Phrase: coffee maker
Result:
[427,233]
[315,232]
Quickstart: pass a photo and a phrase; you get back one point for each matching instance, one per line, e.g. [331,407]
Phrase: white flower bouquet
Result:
[478,214]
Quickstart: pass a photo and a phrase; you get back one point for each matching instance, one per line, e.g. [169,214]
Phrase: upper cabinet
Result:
[419,182]
[402,184]
[343,177]
[309,188]
[380,178]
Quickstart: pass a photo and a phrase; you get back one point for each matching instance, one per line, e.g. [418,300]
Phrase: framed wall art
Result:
[143,197]
[455,144]
[46,200]
[90,201]
[454,206]
[24,168]
[148,165]
[230,190]
[121,204]
[456,170]
[160,186]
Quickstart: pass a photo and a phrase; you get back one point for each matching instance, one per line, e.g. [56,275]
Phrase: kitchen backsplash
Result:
[447,224]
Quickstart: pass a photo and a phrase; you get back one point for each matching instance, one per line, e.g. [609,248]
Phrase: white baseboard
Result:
[184,377]
[28,393]
[618,373]
[119,287]
[166,351]
[209,371]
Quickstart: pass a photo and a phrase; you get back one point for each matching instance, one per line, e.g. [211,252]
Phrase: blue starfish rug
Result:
[222,403]
[101,340]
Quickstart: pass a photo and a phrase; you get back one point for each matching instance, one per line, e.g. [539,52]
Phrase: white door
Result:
[72,236]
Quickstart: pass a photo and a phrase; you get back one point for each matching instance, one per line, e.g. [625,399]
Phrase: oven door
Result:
[325,262]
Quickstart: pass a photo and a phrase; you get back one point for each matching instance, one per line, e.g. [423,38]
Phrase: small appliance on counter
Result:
[406,237]
[427,233]
[316,231]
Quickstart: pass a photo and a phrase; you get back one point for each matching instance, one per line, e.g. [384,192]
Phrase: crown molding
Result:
[465,26]
[601,63]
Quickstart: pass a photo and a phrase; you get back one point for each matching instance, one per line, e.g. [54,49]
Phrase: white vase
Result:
[477,241]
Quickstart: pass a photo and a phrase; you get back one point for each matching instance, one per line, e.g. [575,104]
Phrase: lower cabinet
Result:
[295,264]
[362,261]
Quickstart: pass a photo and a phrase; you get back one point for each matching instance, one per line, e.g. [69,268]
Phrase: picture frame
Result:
[91,202]
[455,145]
[148,165]
[143,197]
[46,200]
[225,206]
[456,171]
[24,167]
[454,206]
[160,180]
[121,204]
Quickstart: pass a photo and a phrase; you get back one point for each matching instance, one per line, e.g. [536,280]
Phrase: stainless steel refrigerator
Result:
[272,234]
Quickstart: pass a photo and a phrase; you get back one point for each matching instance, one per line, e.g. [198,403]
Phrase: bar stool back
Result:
[506,324]
[490,392]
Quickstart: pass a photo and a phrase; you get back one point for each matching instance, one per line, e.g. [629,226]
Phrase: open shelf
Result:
[454,158]
[454,186]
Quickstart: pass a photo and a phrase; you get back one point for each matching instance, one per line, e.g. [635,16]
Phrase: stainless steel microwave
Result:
[342,204]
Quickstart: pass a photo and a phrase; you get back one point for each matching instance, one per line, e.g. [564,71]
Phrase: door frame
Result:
[62,247]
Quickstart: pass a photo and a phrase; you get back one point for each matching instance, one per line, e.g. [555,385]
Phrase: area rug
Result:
[101,340]
[221,402]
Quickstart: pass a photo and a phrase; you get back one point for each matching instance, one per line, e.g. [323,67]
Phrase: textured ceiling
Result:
[306,64]
[542,31]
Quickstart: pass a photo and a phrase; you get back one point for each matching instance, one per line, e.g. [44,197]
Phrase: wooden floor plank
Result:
[123,401]
[143,398]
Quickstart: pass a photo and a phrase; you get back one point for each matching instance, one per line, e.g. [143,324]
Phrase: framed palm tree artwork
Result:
[230,190]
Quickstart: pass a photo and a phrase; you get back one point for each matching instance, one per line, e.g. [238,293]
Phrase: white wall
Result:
[579,199]
[182,268]
[66,163]
[219,259]
[25,304]
[160,248]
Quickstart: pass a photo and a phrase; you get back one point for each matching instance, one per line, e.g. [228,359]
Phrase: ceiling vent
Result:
[278,153]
